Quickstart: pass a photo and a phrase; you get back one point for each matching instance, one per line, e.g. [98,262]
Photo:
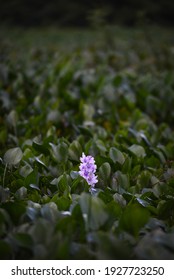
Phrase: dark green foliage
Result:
[62,97]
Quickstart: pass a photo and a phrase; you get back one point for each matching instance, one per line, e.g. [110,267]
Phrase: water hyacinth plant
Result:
[88,169]
[86,145]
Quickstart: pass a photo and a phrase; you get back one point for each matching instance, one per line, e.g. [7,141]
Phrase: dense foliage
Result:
[112,97]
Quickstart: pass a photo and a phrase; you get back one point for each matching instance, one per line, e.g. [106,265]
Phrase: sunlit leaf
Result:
[138,150]
[13,156]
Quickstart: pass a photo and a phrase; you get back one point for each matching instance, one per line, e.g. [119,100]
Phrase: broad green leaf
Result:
[4,194]
[12,118]
[25,170]
[22,240]
[40,147]
[63,183]
[63,202]
[134,218]
[105,171]
[85,130]
[13,156]
[40,162]
[119,199]
[6,250]
[94,211]
[60,152]
[3,136]
[144,179]
[15,209]
[101,146]
[21,193]
[120,180]
[42,225]
[165,209]
[75,150]
[116,155]
[32,178]
[143,202]
[32,213]
[49,211]
[127,166]
[159,154]
[114,209]
[106,196]
[74,174]
[33,186]
[137,150]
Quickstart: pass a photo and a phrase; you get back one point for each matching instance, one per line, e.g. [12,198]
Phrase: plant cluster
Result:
[114,105]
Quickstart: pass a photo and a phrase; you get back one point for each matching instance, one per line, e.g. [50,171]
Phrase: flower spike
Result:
[87,169]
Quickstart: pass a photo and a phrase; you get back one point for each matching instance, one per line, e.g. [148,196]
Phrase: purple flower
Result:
[88,169]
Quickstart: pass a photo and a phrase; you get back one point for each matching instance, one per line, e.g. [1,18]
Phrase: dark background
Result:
[83,13]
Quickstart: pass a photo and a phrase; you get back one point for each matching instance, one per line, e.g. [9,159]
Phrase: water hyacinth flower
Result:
[87,169]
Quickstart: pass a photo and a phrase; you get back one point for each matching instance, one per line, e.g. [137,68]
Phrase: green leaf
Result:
[119,199]
[85,130]
[40,147]
[165,209]
[5,250]
[75,150]
[121,180]
[116,155]
[134,218]
[41,163]
[33,186]
[60,152]
[137,150]
[4,194]
[63,183]
[32,178]
[15,209]
[32,213]
[74,174]
[159,154]
[22,240]
[114,210]
[105,196]
[21,193]
[12,118]
[13,156]
[50,212]
[127,166]
[25,170]
[144,179]
[63,203]
[142,202]
[101,146]
[94,211]
[105,171]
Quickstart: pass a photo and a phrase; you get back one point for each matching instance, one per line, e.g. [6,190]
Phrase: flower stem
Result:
[5,170]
